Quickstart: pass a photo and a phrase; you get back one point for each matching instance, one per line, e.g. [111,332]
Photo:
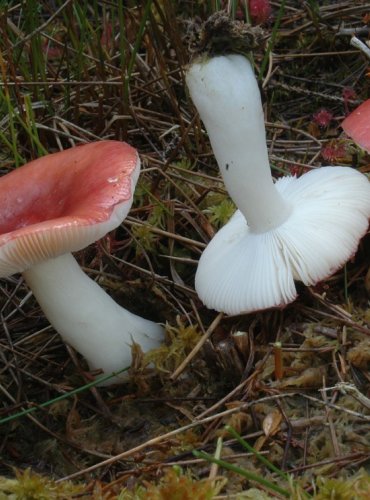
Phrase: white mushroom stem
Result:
[86,316]
[226,94]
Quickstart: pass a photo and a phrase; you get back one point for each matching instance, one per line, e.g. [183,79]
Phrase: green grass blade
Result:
[60,398]
[272,39]
[138,39]
[12,142]
[258,455]
[242,472]
[31,128]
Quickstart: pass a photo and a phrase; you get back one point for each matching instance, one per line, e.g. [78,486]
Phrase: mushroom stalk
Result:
[87,318]
[226,94]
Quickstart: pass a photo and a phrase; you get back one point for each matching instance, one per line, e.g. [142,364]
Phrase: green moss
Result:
[354,488]
[181,340]
[174,485]
[30,486]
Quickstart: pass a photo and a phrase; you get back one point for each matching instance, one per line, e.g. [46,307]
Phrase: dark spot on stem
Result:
[227,166]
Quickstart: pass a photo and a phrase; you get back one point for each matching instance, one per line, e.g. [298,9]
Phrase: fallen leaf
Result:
[271,423]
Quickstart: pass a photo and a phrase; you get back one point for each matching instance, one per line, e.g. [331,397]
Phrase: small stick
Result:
[278,356]
[329,417]
[352,390]
[197,348]
[214,467]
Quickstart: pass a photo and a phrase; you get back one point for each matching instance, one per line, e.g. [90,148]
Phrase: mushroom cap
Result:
[241,271]
[64,201]
[357,125]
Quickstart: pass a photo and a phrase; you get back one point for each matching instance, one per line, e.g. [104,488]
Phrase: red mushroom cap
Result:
[357,125]
[64,201]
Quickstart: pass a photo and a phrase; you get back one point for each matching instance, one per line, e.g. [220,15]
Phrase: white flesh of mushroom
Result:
[297,229]
[87,318]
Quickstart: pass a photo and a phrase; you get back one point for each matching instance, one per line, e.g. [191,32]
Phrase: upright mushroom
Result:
[295,229]
[59,204]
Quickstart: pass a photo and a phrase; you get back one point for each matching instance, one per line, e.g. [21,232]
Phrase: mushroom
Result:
[61,203]
[357,125]
[294,229]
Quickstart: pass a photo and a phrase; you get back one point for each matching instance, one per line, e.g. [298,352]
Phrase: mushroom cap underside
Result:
[241,271]
[64,201]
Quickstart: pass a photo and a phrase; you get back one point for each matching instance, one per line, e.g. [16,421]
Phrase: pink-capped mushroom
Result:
[357,125]
[61,203]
